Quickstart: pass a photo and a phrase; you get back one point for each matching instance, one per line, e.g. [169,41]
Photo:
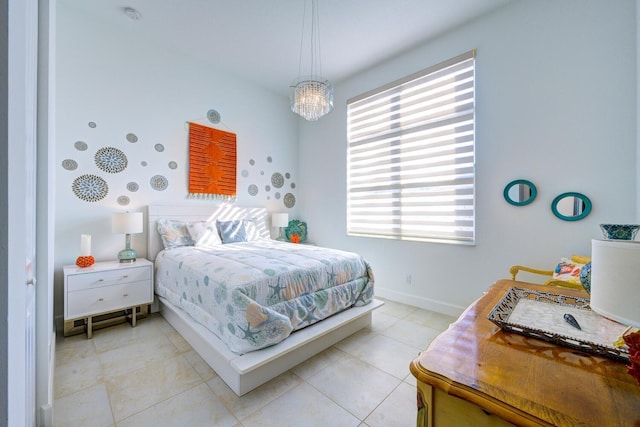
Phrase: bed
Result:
[293,302]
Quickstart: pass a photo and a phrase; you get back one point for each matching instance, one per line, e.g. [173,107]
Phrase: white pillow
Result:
[209,235]
[197,229]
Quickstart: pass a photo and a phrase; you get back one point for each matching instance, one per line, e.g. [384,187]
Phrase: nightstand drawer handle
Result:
[126,276]
[125,295]
[100,280]
[100,299]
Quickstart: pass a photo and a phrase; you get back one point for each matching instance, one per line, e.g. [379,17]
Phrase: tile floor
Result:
[150,376]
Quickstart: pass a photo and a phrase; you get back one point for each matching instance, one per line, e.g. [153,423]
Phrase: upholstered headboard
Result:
[194,212]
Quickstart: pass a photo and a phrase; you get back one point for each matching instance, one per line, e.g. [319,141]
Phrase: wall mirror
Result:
[520,192]
[571,206]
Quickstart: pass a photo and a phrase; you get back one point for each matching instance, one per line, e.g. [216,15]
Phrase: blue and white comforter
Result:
[254,294]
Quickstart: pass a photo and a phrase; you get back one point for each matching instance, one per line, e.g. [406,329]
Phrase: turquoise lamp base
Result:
[128,254]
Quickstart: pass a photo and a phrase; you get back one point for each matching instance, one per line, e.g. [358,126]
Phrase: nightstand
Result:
[105,288]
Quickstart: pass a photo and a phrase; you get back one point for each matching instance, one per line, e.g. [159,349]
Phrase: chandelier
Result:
[311,96]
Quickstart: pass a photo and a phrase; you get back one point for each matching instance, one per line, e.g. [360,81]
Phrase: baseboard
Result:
[421,302]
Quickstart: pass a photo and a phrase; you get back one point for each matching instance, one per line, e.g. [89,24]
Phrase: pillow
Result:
[173,233]
[232,231]
[197,229]
[209,236]
[568,271]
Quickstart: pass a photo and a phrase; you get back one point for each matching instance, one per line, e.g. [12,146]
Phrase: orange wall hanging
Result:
[212,163]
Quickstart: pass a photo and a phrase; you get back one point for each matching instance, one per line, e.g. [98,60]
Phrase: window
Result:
[410,161]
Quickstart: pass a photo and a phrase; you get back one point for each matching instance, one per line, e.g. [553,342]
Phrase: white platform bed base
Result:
[243,373]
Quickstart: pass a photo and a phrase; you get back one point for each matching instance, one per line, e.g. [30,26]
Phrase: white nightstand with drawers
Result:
[106,287]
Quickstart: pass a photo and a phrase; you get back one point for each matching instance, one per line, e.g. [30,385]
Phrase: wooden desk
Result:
[474,374]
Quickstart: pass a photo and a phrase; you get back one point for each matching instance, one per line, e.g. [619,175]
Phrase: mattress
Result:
[255,294]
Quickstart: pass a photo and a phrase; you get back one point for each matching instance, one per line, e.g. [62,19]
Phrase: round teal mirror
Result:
[520,192]
[571,206]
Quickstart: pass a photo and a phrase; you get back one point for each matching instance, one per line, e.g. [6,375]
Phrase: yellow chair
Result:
[578,259]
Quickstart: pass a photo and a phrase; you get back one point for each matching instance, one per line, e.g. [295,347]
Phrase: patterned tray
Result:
[541,315]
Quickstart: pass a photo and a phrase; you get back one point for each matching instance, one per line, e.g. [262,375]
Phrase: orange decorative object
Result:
[295,238]
[212,161]
[85,261]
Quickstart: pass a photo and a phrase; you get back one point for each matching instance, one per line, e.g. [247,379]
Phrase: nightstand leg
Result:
[89,327]
[133,317]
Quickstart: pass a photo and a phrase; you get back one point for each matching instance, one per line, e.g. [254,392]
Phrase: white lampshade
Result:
[615,280]
[126,222]
[279,220]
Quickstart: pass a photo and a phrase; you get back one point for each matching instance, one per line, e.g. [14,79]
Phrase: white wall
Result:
[556,104]
[125,84]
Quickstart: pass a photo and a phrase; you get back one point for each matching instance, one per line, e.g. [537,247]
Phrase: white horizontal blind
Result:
[411,166]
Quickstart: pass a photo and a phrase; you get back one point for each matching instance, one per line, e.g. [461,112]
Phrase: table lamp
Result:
[615,280]
[280,220]
[127,223]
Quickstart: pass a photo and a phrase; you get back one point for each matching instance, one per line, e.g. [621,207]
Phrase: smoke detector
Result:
[132,13]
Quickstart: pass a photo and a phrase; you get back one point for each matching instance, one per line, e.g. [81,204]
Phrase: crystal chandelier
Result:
[311,96]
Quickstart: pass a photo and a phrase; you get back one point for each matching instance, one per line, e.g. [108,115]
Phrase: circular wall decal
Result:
[133,186]
[287,175]
[81,145]
[253,190]
[289,200]
[213,116]
[277,180]
[143,163]
[277,195]
[92,125]
[269,159]
[69,164]
[267,188]
[159,182]
[123,200]
[252,162]
[244,173]
[90,188]
[111,160]
[172,165]
[159,148]
[131,137]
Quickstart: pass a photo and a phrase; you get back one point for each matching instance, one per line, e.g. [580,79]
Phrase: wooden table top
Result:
[525,380]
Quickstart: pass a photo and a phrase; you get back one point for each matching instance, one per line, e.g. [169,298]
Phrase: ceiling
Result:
[259,40]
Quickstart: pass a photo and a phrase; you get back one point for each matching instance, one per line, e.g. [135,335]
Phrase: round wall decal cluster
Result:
[271,183]
[90,187]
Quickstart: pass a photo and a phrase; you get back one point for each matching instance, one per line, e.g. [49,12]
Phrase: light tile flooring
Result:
[150,376]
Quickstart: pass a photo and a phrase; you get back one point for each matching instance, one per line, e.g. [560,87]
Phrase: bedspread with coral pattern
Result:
[254,294]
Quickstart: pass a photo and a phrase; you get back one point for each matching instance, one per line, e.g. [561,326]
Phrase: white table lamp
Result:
[127,223]
[615,280]
[280,220]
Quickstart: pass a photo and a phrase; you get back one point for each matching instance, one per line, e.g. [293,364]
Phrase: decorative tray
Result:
[541,315]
